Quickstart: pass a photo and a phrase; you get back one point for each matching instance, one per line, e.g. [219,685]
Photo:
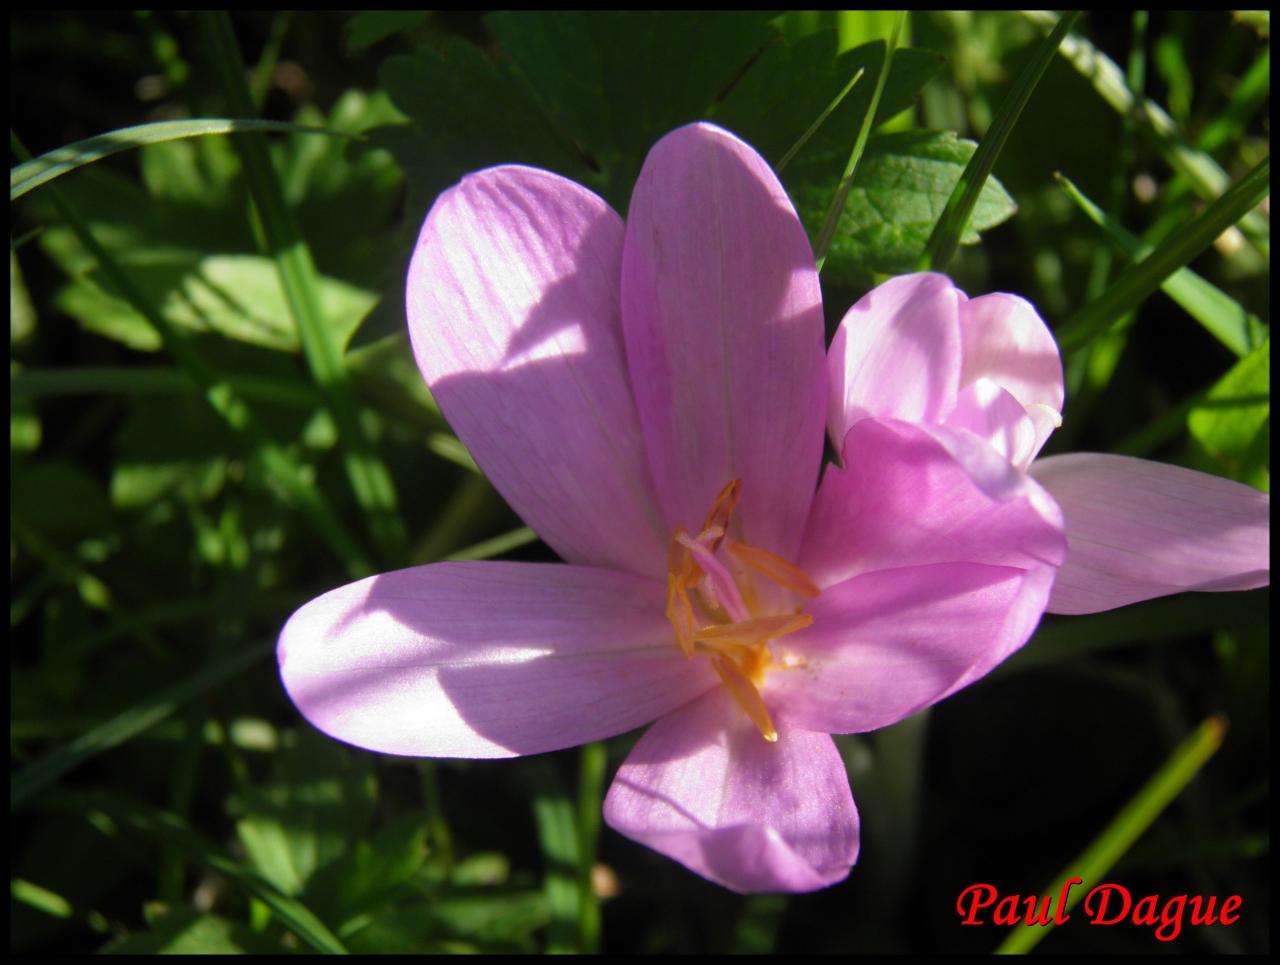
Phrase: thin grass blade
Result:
[30,175]
[828,229]
[813,128]
[1145,276]
[370,480]
[1222,316]
[945,239]
[1127,826]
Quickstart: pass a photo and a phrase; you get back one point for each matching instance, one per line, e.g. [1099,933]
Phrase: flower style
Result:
[651,400]
[917,348]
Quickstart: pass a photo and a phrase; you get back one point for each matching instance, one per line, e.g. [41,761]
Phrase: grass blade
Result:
[1222,316]
[590,798]
[127,380]
[1126,827]
[369,478]
[945,238]
[218,392]
[553,814]
[129,723]
[828,229]
[1145,276]
[1205,175]
[167,830]
[31,174]
[813,128]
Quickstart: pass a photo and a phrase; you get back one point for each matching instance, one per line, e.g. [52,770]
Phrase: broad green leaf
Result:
[789,85]
[61,501]
[180,932]
[40,170]
[901,189]
[466,113]
[367,27]
[314,809]
[617,81]
[237,296]
[1233,421]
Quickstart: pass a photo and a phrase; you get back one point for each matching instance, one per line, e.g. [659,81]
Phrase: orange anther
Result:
[774,567]
[745,694]
[722,509]
[756,630]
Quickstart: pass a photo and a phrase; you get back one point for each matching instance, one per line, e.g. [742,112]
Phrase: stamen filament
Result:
[774,567]
[745,694]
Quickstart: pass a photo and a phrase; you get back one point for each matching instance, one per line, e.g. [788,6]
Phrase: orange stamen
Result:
[774,567]
[722,509]
[745,694]
[756,630]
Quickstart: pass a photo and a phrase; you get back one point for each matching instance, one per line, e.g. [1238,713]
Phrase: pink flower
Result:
[917,348]
[651,400]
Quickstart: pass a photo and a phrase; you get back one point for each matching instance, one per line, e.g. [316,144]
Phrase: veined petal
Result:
[884,645]
[1138,529]
[896,354]
[723,320]
[486,659]
[1005,340]
[513,303]
[912,495]
[702,787]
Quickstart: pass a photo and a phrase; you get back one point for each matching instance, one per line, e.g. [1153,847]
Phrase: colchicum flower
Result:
[651,400]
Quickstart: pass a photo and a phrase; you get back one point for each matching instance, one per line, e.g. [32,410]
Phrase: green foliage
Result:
[183,474]
[897,197]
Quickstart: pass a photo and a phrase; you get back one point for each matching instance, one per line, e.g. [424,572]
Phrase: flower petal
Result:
[884,645]
[1138,529]
[513,303]
[911,495]
[896,354]
[991,413]
[704,788]
[486,659]
[723,319]
[1007,341]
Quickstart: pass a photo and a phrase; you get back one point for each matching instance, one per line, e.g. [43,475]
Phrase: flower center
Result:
[718,609]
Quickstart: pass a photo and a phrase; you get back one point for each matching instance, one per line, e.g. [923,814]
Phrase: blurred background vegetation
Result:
[215,417]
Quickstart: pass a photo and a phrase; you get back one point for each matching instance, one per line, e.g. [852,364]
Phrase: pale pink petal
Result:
[911,495]
[703,787]
[896,354]
[991,413]
[1138,529]
[513,303]
[1007,341]
[723,319]
[486,659]
[887,644]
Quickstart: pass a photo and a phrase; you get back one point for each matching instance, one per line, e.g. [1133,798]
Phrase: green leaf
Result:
[791,84]
[466,113]
[960,206]
[367,27]
[129,723]
[1232,423]
[900,191]
[22,314]
[43,169]
[616,81]
[180,932]
[315,808]
[238,296]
